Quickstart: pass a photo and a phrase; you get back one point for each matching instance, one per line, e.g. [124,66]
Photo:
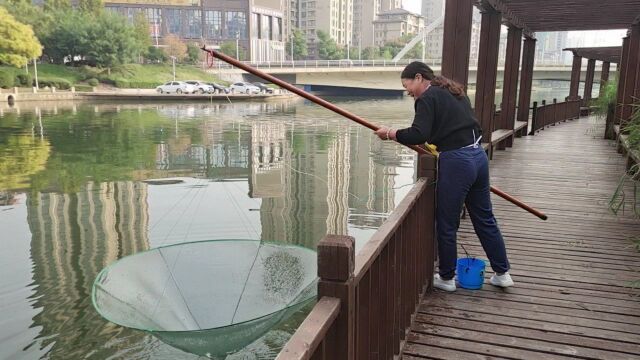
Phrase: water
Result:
[74,199]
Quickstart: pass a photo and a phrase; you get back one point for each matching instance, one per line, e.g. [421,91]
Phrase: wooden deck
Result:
[573,273]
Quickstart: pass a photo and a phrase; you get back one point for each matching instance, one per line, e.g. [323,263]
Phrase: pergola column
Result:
[622,75]
[457,40]
[510,88]
[487,70]
[630,88]
[575,77]
[604,76]
[588,82]
[526,78]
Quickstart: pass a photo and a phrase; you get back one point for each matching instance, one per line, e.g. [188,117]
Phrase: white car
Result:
[244,88]
[202,88]
[178,87]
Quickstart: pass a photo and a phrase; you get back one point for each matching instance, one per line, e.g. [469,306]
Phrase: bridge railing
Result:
[367,300]
[550,114]
[343,63]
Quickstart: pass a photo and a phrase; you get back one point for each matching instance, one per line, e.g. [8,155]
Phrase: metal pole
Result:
[173,60]
[237,46]
[292,37]
[35,71]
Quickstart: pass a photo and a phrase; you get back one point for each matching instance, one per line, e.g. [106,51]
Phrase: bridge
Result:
[360,74]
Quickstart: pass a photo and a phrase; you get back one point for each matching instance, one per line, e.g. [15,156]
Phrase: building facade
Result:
[394,24]
[256,25]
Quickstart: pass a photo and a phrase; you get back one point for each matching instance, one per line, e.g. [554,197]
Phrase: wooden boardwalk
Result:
[573,273]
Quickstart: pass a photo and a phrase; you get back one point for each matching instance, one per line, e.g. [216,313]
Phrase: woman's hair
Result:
[417,67]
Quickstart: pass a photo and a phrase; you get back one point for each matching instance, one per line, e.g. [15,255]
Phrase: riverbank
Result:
[51,94]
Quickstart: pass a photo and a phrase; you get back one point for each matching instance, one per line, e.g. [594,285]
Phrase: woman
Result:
[444,118]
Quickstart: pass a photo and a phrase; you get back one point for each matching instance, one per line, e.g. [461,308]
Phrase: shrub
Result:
[24,80]
[93,82]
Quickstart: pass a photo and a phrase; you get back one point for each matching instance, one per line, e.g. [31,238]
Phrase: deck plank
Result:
[574,273]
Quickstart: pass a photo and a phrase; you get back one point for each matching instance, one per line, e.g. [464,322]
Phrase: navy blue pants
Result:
[463,178]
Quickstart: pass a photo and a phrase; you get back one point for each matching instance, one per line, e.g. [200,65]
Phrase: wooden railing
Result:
[375,293]
[549,115]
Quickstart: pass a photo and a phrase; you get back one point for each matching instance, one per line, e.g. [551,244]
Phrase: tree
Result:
[300,50]
[68,36]
[27,13]
[327,47]
[119,47]
[142,33]
[370,53]
[53,5]
[175,47]
[193,53]
[18,43]
[91,6]
[156,54]
[229,48]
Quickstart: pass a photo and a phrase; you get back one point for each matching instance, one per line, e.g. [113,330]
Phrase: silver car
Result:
[201,87]
[177,87]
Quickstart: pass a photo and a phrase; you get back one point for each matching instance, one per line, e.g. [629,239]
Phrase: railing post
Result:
[534,114]
[428,168]
[555,112]
[609,132]
[336,261]
[543,118]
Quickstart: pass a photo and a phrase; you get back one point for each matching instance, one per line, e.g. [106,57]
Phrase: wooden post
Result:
[336,254]
[457,40]
[575,77]
[510,89]
[528,57]
[633,63]
[542,115]
[533,118]
[604,77]
[609,132]
[622,75]
[554,117]
[588,81]
[487,70]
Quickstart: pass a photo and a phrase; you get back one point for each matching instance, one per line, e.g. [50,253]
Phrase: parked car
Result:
[245,88]
[178,87]
[201,87]
[263,88]
[219,88]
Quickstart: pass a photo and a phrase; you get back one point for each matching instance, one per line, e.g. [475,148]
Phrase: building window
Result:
[154,16]
[277,29]
[131,13]
[236,24]
[265,30]
[173,17]
[194,24]
[255,25]
[213,24]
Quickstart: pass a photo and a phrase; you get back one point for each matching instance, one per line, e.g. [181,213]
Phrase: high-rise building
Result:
[432,10]
[394,24]
[257,26]
[335,17]
[549,48]
[365,12]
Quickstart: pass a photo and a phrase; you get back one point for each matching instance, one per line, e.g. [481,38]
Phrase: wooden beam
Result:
[575,77]
[588,83]
[631,71]
[622,75]
[457,40]
[604,76]
[510,87]
[508,15]
[487,70]
[528,57]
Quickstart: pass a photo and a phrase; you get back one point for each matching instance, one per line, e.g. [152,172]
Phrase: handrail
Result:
[310,336]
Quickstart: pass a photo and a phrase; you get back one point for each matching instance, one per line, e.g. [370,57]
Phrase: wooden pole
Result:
[575,77]
[457,40]
[351,116]
[528,57]
[588,82]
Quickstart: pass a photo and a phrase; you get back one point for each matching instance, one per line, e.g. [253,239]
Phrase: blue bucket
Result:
[470,273]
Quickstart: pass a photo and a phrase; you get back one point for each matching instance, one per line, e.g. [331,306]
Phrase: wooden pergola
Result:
[608,55]
[524,18]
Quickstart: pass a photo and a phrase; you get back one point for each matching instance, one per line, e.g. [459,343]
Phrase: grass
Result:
[126,76]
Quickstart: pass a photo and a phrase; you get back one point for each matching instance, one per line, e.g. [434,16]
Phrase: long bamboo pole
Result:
[349,115]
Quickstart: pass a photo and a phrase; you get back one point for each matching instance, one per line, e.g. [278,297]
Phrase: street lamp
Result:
[237,46]
[173,60]
[291,41]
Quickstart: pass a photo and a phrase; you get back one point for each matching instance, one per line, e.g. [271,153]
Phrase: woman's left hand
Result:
[385,133]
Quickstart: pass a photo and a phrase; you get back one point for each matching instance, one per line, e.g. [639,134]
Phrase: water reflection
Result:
[73,199]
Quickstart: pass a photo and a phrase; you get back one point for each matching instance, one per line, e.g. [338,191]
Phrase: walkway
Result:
[573,273]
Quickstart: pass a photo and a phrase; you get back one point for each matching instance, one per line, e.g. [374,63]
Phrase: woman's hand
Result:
[386,133]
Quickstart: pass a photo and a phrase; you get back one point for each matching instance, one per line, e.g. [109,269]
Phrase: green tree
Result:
[91,6]
[370,53]
[18,43]
[119,47]
[193,53]
[156,54]
[142,33]
[54,5]
[300,50]
[229,48]
[25,12]
[68,37]
[327,47]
